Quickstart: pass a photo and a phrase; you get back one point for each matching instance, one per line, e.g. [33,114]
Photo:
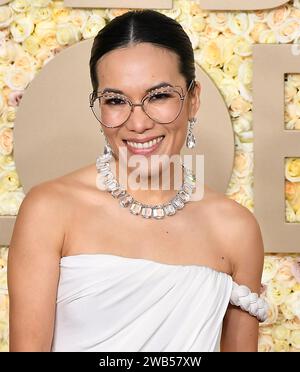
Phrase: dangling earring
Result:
[191,140]
[107,147]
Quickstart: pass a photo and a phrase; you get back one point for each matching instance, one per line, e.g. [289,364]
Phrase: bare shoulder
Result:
[238,233]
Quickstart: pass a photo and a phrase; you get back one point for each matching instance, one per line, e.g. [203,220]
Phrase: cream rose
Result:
[288,31]
[281,346]
[242,46]
[6,16]
[6,141]
[257,30]
[7,162]
[40,14]
[231,67]
[239,106]
[60,14]
[20,6]
[289,212]
[21,28]
[78,18]
[67,34]
[271,266]
[218,20]
[267,37]
[265,343]
[31,44]
[295,338]
[277,16]
[10,202]
[289,91]
[92,26]
[16,78]
[242,123]
[280,332]
[276,292]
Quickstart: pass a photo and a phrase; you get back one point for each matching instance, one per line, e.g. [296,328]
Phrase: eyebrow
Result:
[157,86]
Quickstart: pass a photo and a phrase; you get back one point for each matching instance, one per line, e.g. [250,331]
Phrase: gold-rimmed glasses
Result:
[163,105]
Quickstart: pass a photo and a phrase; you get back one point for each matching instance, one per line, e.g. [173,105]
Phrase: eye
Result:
[159,96]
[114,101]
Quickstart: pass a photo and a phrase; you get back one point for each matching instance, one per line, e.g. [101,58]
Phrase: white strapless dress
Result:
[108,303]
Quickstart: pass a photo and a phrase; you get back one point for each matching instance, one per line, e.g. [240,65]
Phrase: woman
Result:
[91,269]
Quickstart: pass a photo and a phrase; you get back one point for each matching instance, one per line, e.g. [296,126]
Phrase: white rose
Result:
[44,27]
[242,123]
[292,302]
[242,46]
[281,333]
[92,26]
[229,88]
[16,78]
[6,16]
[67,34]
[7,163]
[21,28]
[276,292]
[20,6]
[231,67]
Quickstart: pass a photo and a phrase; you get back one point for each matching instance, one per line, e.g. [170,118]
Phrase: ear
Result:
[194,99]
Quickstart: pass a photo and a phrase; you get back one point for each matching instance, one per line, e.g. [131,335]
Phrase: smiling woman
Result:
[92,277]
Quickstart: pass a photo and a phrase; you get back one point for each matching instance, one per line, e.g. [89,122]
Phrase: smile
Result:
[144,147]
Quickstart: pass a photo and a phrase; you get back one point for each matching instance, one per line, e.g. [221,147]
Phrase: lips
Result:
[144,147]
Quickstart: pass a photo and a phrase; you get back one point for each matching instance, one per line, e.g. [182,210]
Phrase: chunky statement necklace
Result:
[158,211]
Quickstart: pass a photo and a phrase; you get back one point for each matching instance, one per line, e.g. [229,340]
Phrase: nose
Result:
[138,120]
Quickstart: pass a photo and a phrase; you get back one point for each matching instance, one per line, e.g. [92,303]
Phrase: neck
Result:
[147,189]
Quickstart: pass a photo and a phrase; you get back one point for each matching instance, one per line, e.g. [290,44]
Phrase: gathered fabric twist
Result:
[249,301]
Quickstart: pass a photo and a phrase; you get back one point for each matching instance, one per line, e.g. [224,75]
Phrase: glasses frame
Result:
[95,95]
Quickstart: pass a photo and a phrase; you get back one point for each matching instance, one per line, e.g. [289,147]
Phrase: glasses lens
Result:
[111,110]
[163,105]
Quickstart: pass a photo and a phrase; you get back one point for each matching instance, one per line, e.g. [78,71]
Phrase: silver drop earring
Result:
[107,147]
[190,139]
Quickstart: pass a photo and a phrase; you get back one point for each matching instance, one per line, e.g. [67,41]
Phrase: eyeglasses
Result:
[162,105]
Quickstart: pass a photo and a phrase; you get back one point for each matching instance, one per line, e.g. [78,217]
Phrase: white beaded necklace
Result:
[158,211]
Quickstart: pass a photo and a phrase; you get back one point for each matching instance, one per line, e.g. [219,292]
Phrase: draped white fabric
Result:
[107,302]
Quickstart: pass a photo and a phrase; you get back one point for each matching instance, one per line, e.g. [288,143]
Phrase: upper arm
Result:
[240,329]
[33,269]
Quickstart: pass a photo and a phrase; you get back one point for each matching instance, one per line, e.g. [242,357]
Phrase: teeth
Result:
[145,145]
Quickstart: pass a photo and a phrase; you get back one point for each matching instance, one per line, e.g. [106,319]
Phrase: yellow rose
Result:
[239,106]
[295,338]
[256,31]
[198,23]
[7,162]
[67,34]
[20,6]
[294,79]
[212,53]
[21,29]
[16,78]
[218,20]
[10,114]
[242,47]
[281,346]
[289,91]
[44,27]
[78,17]
[6,16]
[210,32]
[229,90]
[31,44]
[276,292]
[6,141]
[265,343]
[292,170]
[93,25]
[286,311]
[267,37]
[240,23]
[288,31]
[9,181]
[60,14]
[216,74]
[10,202]
[280,332]
[231,67]
[48,39]
[242,123]
[40,14]
[243,163]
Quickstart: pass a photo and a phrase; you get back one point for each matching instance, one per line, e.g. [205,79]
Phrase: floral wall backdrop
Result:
[32,32]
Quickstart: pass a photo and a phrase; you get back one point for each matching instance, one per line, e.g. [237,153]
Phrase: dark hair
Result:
[139,26]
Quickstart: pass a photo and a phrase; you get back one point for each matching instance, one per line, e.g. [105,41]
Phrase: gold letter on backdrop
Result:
[272,143]
[155,4]
[240,4]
